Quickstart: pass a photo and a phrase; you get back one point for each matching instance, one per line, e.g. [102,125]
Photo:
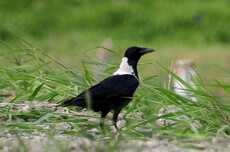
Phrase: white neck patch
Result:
[124,68]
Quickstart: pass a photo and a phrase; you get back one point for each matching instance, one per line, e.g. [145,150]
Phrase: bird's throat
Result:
[127,67]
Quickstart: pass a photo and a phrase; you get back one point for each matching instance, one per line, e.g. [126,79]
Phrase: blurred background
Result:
[71,31]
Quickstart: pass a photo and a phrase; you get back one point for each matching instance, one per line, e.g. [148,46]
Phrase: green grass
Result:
[32,76]
[61,60]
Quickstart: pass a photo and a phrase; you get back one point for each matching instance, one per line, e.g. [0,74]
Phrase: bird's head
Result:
[129,61]
[133,54]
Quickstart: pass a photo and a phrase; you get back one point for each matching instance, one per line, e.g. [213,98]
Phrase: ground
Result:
[39,140]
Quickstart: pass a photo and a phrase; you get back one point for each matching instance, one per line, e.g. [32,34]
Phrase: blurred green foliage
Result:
[193,22]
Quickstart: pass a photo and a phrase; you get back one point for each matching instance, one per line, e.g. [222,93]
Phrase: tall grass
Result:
[28,75]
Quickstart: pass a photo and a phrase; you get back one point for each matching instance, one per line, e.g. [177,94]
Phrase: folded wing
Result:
[108,91]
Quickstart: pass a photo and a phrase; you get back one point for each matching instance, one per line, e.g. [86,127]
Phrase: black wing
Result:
[108,90]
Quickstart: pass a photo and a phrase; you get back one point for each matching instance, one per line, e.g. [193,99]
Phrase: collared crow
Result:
[114,92]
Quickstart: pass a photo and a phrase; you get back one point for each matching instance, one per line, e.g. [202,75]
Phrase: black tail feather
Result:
[73,102]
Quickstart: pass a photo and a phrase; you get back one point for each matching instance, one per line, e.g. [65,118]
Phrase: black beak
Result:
[146,50]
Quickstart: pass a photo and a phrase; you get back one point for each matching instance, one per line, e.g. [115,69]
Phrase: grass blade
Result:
[32,97]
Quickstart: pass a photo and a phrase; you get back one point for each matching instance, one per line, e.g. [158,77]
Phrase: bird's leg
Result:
[115,115]
[103,115]
[101,122]
[115,125]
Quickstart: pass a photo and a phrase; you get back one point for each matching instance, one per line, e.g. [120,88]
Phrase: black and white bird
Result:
[114,92]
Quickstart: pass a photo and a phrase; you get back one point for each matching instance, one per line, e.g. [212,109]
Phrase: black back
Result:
[111,93]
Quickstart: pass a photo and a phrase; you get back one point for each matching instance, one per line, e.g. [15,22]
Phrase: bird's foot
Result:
[115,125]
[118,135]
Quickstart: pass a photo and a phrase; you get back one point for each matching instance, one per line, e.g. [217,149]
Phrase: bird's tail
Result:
[72,102]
